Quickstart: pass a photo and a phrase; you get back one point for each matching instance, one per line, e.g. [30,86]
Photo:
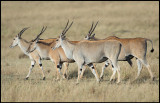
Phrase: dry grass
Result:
[123,19]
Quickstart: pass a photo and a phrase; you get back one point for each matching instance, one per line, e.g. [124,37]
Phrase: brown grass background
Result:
[125,19]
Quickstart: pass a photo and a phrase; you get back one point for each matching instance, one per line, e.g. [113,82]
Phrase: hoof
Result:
[101,77]
[65,76]
[44,78]
[115,79]
[153,78]
[27,78]
[111,80]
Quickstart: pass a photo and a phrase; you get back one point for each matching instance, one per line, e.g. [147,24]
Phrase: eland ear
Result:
[87,37]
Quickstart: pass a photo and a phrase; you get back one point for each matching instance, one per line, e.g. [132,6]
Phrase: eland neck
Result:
[23,44]
[68,48]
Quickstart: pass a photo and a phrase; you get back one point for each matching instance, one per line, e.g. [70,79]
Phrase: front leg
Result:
[79,73]
[58,68]
[84,68]
[65,73]
[30,69]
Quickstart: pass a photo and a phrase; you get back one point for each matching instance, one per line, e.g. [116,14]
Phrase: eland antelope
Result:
[24,45]
[88,52]
[134,47]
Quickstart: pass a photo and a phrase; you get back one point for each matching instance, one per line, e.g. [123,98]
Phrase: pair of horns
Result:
[43,29]
[21,32]
[66,29]
[92,29]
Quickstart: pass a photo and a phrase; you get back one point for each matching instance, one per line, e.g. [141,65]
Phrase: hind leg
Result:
[113,74]
[144,61]
[139,64]
[41,67]
[58,68]
[94,71]
[105,66]
[80,64]
[115,68]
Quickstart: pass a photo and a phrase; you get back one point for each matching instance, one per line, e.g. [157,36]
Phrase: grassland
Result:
[122,19]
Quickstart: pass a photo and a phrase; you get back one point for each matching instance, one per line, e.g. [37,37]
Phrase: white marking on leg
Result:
[32,62]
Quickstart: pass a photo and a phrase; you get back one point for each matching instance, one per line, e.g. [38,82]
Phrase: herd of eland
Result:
[85,52]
